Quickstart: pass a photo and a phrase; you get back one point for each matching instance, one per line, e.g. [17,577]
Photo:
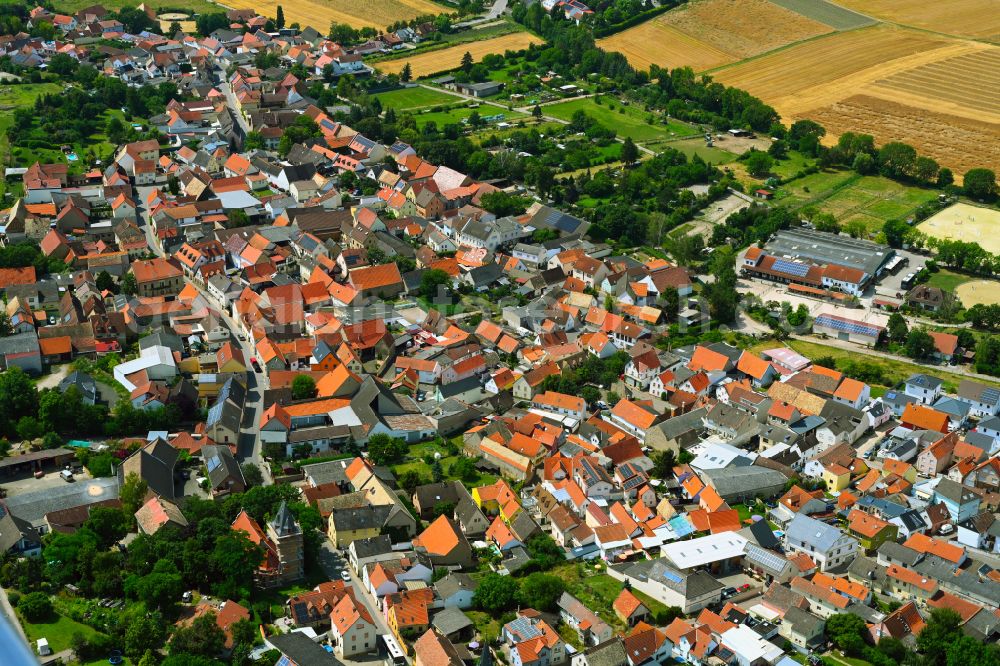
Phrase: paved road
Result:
[333,564]
[497,9]
[249,446]
[227,90]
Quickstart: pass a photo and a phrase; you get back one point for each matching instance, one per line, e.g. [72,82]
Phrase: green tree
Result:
[128,284]
[18,397]
[759,164]
[897,159]
[252,474]
[945,177]
[202,637]
[253,141]
[434,283]
[980,184]
[542,591]
[897,328]
[235,558]
[35,607]
[303,387]
[502,203]
[133,493]
[630,153]
[29,428]
[536,112]
[464,469]
[846,631]
[105,282]
[721,294]
[158,589]
[406,75]
[496,594]
[943,628]
[109,524]
[919,344]
[384,450]
[279,18]
[466,64]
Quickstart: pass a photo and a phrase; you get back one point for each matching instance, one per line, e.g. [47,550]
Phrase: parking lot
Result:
[29,484]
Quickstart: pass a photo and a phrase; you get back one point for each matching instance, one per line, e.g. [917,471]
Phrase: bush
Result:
[36,607]
[14,598]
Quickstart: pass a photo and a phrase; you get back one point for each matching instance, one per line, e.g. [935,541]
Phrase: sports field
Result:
[975,292]
[415,98]
[963,221]
[967,18]
[442,60]
[627,121]
[321,13]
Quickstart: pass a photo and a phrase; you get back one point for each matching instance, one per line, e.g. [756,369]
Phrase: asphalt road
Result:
[249,446]
[334,563]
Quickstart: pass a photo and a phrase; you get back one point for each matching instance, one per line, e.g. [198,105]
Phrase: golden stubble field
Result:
[432,62]
[979,19]
[358,13]
[710,33]
[937,93]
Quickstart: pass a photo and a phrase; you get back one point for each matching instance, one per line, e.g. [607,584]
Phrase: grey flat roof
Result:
[824,248]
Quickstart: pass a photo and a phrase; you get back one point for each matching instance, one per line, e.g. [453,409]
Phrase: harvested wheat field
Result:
[361,13]
[969,82]
[936,93]
[966,18]
[830,68]
[965,222]
[657,43]
[954,141]
[442,60]
[743,28]
[976,292]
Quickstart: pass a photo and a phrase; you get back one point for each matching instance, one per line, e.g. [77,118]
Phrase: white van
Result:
[67,475]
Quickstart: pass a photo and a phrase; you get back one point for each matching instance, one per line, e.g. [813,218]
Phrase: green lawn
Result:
[414,98]
[415,461]
[627,121]
[947,280]
[695,146]
[894,371]
[792,164]
[18,96]
[58,632]
[487,625]
[457,115]
[851,197]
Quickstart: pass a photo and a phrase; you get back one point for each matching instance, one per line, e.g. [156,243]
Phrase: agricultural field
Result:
[933,92]
[742,28]
[321,13]
[967,18]
[656,42]
[193,6]
[442,60]
[627,121]
[966,222]
[976,292]
[826,12]
[406,99]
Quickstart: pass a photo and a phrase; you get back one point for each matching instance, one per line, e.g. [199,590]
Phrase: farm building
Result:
[818,259]
[843,328]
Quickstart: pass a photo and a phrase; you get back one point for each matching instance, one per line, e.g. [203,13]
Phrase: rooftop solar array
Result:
[847,326]
[790,268]
[213,463]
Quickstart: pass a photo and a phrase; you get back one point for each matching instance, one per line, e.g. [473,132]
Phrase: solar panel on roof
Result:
[847,326]
[213,463]
[790,268]
[990,395]
[671,576]
[215,413]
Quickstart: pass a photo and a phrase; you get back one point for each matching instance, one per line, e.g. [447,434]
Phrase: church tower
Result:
[286,535]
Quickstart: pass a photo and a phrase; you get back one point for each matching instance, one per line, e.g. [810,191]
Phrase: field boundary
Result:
[835,16]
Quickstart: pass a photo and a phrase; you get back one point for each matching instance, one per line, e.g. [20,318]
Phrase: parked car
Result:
[346,575]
